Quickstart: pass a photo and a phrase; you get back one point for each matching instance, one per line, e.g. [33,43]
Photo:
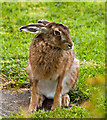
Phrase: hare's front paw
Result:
[66,100]
[32,108]
[56,104]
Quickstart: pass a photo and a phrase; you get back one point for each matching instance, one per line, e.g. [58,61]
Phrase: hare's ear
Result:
[45,22]
[34,28]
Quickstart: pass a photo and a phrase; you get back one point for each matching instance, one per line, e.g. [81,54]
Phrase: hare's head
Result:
[56,34]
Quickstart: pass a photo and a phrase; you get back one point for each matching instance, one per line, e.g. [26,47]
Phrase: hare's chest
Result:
[47,67]
[48,87]
[43,72]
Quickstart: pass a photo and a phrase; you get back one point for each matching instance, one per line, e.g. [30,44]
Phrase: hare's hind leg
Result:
[65,100]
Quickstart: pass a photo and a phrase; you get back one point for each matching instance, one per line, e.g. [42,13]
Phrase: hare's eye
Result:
[56,32]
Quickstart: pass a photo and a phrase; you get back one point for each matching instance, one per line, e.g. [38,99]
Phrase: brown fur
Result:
[49,57]
[46,61]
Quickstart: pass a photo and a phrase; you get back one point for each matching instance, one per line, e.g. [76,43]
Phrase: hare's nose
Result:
[69,46]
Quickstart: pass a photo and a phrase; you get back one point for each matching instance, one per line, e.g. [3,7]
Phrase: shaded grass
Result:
[86,24]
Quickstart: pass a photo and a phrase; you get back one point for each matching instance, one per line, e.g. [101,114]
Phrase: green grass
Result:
[86,22]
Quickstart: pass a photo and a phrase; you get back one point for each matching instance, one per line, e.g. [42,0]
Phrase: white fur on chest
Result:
[48,87]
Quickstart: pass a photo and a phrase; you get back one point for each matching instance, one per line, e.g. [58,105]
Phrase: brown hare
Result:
[52,66]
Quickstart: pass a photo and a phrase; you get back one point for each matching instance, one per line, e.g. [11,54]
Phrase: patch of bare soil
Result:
[12,101]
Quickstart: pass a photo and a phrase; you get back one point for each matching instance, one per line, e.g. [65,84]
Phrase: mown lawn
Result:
[86,22]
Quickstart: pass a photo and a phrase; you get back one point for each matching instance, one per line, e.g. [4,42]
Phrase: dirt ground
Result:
[11,101]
